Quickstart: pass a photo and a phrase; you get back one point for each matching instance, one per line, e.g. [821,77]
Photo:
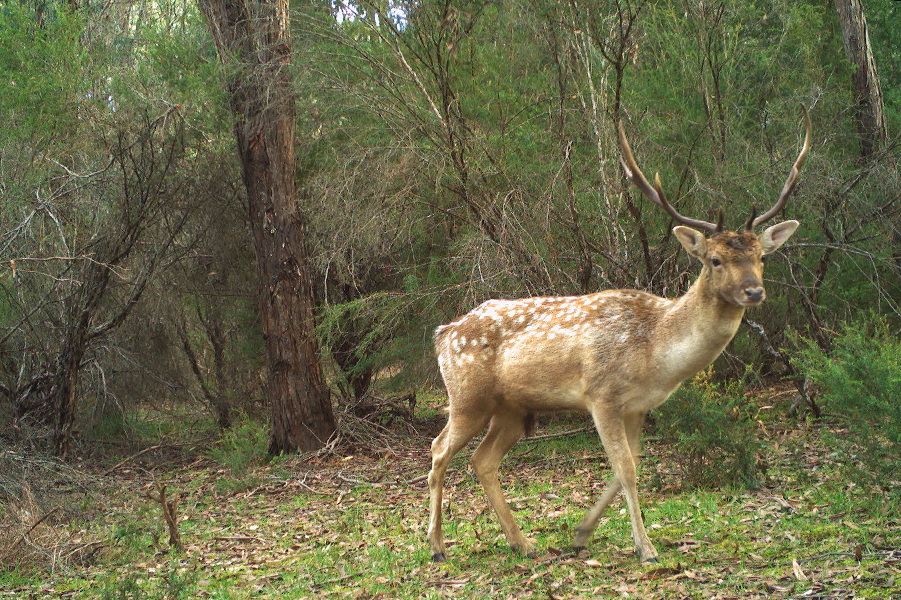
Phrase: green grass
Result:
[355,528]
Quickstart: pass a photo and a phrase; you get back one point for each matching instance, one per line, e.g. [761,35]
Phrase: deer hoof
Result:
[524,549]
[439,557]
[647,557]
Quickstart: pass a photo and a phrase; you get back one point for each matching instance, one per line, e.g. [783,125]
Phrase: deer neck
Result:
[697,327]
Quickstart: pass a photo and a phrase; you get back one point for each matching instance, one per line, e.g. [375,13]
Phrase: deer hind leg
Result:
[618,444]
[503,433]
[633,424]
[456,433]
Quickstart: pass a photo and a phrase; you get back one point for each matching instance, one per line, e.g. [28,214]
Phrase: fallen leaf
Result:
[799,573]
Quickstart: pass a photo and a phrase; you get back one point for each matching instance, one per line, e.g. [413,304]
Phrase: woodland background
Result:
[229,229]
[447,153]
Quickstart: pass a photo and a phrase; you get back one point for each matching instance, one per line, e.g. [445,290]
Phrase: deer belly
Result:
[537,382]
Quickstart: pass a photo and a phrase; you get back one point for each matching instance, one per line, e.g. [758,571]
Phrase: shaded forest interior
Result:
[444,153]
[228,231]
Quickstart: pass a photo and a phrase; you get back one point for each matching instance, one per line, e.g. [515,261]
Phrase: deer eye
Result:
[715,261]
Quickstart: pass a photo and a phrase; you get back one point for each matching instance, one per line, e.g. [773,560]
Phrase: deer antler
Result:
[655,193]
[792,178]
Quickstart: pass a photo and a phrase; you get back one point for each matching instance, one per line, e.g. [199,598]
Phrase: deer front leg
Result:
[612,429]
[633,424]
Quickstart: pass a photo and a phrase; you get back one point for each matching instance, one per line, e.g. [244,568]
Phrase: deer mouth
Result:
[748,298]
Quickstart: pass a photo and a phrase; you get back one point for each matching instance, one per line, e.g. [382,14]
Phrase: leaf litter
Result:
[354,526]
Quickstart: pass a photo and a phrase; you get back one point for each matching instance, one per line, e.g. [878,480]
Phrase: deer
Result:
[615,354]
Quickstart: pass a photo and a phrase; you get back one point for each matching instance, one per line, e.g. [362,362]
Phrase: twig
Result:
[550,436]
[130,458]
[311,490]
[801,381]
[169,507]
[32,528]
[241,538]
[425,476]
[92,546]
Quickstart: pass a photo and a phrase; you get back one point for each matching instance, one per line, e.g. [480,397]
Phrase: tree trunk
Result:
[864,78]
[253,41]
[83,306]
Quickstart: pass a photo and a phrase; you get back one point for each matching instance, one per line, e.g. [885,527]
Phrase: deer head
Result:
[733,261]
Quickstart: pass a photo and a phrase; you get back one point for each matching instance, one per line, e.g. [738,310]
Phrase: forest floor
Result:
[353,525]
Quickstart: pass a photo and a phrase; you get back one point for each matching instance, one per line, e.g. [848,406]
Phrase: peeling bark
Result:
[864,78]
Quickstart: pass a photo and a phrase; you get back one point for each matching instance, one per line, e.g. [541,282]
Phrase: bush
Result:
[243,446]
[710,428]
[860,385]
[173,583]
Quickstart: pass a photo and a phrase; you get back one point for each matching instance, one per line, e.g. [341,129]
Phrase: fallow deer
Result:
[614,354]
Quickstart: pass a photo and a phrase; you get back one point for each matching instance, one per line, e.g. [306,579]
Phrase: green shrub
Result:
[173,583]
[243,446]
[710,428]
[860,385]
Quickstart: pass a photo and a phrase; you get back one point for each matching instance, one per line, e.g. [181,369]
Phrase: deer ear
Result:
[693,240]
[773,237]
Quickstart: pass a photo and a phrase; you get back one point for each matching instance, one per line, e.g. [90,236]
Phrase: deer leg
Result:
[633,424]
[452,438]
[503,433]
[617,444]
[586,527]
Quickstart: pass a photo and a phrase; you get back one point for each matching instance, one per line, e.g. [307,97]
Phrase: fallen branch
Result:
[551,436]
[802,383]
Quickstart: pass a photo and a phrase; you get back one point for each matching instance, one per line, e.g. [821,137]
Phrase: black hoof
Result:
[652,561]
[439,557]
[525,553]
[578,549]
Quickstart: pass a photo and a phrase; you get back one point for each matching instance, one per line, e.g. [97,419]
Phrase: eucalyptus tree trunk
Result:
[864,78]
[254,43]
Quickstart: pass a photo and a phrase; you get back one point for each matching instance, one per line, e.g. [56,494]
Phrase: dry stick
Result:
[32,528]
[130,458]
[169,514]
[799,379]
[89,545]
[551,436]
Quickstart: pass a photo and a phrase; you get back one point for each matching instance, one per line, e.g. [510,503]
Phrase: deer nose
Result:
[753,294]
